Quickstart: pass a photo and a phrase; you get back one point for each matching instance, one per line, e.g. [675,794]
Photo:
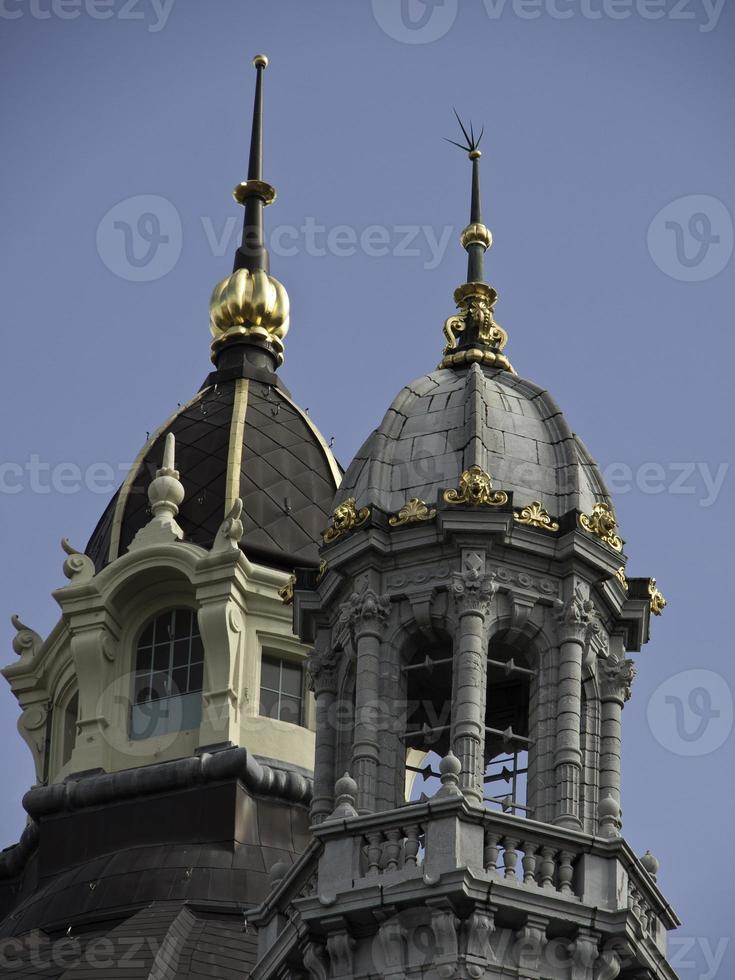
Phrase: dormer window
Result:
[169,673]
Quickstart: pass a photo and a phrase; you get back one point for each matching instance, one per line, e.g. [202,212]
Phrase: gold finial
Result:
[249,304]
[260,61]
[472,334]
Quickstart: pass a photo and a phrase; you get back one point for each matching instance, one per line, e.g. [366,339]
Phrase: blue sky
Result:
[608,185]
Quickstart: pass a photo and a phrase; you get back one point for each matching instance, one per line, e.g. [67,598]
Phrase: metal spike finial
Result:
[254,193]
[472,335]
[476,238]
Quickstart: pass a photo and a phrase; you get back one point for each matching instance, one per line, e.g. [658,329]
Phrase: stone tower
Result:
[471,626]
[167,711]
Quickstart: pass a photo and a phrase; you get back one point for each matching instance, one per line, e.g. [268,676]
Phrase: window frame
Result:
[281,659]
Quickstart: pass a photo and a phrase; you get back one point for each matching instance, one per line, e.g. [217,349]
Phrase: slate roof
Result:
[287,478]
[452,419]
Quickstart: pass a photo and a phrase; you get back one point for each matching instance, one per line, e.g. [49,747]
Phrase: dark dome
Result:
[240,436]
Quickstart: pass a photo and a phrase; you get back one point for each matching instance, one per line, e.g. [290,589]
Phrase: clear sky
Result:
[609,187]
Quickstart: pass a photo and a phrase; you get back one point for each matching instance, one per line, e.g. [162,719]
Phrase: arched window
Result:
[69,727]
[169,672]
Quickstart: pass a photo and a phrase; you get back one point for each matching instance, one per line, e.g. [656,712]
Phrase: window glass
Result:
[282,690]
[169,674]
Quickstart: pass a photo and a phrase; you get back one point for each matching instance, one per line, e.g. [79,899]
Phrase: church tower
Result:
[472,624]
[167,711]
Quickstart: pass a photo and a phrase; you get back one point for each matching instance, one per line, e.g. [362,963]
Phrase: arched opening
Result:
[507,742]
[169,674]
[69,728]
[427,715]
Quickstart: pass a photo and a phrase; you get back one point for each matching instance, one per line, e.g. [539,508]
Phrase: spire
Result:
[472,335]
[250,307]
[254,194]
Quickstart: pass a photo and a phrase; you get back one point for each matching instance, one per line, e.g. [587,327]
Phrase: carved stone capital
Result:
[529,946]
[478,929]
[366,613]
[616,679]
[471,589]
[321,672]
[445,927]
[585,953]
[340,946]
[316,962]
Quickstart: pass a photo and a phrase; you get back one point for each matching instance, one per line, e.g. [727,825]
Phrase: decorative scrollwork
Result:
[603,524]
[231,529]
[656,598]
[476,488]
[286,593]
[323,566]
[346,518]
[621,577]
[26,640]
[77,567]
[412,512]
[535,515]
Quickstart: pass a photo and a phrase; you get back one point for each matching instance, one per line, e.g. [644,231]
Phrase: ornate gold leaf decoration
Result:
[412,512]
[476,488]
[323,565]
[656,599]
[475,302]
[286,593]
[346,518]
[603,524]
[620,576]
[249,304]
[535,515]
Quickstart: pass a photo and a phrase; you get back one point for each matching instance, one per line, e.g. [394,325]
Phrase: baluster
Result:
[529,862]
[374,839]
[548,867]
[510,856]
[491,851]
[392,849]
[566,872]
[412,846]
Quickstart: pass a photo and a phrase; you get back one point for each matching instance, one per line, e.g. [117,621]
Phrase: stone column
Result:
[615,679]
[367,614]
[472,591]
[322,677]
[573,630]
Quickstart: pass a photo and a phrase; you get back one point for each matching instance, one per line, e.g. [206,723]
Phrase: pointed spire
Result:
[472,335]
[165,495]
[476,238]
[254,193]
[250,308]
